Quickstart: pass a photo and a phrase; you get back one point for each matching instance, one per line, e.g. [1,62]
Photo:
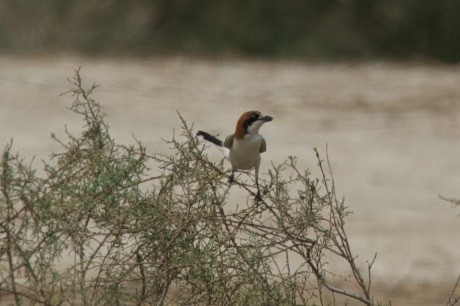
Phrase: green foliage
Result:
[96,229]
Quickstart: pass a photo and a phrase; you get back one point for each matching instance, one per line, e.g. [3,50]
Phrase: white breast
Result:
[245,152]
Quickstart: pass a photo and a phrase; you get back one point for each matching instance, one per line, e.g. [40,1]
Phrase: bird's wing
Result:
[228,143]
[263,146]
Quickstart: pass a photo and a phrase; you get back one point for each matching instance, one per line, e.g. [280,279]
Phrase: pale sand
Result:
[392,131]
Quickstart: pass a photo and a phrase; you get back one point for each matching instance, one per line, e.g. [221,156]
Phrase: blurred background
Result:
[308,29]
[377,81]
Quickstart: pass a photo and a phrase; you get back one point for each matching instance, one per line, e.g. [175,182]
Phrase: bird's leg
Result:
[231,178]
[258,196]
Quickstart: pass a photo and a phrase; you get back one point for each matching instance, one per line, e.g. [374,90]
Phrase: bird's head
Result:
[250,123]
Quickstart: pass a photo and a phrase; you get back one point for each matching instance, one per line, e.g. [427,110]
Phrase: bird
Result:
[243,148]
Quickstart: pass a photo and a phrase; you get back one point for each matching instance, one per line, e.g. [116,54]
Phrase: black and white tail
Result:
[210,138]
[215,141]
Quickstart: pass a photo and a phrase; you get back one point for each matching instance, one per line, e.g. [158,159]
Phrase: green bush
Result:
[133,239]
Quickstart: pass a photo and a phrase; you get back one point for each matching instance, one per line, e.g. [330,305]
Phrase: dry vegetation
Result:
[175,240]
[366,89]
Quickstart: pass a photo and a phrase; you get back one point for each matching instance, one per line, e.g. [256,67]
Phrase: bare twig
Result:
[454,297]
[451,200]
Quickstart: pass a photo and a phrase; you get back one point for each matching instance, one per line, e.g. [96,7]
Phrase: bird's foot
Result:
[260,205]
[231,179]
[258,198]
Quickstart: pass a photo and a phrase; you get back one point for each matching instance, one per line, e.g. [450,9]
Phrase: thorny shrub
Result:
[172,239]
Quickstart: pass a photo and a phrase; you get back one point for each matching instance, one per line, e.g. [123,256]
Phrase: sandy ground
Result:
[392,132]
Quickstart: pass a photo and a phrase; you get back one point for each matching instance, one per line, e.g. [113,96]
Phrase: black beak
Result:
[267,118]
